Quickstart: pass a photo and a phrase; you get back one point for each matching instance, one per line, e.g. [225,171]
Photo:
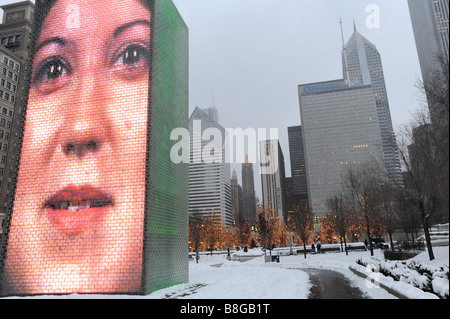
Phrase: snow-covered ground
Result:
[215,277]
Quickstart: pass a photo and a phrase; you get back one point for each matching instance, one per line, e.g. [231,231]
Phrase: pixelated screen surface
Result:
[167,226]
[86,192]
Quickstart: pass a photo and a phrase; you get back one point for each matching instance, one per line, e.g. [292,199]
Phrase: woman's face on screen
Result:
[78,217]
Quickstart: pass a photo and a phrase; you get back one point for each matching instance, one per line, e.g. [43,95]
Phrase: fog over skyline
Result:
[247,57]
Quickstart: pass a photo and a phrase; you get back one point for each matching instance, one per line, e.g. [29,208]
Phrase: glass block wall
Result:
[97,205]
[166,260]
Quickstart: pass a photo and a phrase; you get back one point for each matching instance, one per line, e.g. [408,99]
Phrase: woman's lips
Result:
[73,209]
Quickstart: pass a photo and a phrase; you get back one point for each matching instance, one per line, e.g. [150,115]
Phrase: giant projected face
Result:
[78,218]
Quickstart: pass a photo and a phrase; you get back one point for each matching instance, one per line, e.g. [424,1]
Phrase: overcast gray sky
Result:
[250,55]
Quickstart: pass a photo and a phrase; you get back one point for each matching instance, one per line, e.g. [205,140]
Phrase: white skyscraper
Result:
[209,178]
[347,122]
[362,66]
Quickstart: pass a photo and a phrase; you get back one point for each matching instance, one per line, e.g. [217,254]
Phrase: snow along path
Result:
[240,280]
[215,277]
[218,278]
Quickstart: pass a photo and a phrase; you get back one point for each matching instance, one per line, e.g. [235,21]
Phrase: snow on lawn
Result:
[237,280]
[215,277]
[256,279]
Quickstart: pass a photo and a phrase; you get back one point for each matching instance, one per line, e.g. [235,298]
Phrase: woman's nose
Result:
[80,147]
[86,120]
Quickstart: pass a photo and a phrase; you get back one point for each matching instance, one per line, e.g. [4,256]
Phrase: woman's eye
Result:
[51,70]
[133,55]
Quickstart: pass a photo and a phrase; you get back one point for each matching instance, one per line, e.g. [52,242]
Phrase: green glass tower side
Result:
[166,238]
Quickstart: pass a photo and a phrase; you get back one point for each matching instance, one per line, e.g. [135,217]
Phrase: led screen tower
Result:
[97,205]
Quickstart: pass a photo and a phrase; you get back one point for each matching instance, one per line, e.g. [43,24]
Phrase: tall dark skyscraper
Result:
[298,167]
[273,179]
[248,191]
[430,22]
[429,19]
[236,194]
[15,31]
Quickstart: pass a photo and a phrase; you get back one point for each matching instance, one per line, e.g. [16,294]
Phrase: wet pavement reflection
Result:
[328,284]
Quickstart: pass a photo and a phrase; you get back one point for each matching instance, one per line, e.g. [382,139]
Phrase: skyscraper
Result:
[298,167]
[273,181]
[236,191]
[347,122]
[16,27]
[15,33]
[248,192]
[209,182]
[340,128]
[212,113]
[362,66]
[429,20]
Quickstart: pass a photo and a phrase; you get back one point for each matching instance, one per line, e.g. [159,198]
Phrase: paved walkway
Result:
[328,284]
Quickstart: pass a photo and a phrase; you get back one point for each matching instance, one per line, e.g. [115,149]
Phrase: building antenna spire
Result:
[354,25]
[342,33]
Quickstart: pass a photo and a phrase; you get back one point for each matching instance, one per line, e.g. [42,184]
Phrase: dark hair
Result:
[42,7]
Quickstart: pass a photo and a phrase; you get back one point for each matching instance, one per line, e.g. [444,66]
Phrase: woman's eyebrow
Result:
[54,39]
[128,25]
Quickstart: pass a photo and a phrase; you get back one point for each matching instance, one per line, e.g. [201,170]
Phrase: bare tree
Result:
[360,183]
[418,152]
[195,232]
[387,195]
[268,227]
[409,217]
[262,226]
[340,214]
[435,91]
[301,222]
[213,230]
[243,230]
